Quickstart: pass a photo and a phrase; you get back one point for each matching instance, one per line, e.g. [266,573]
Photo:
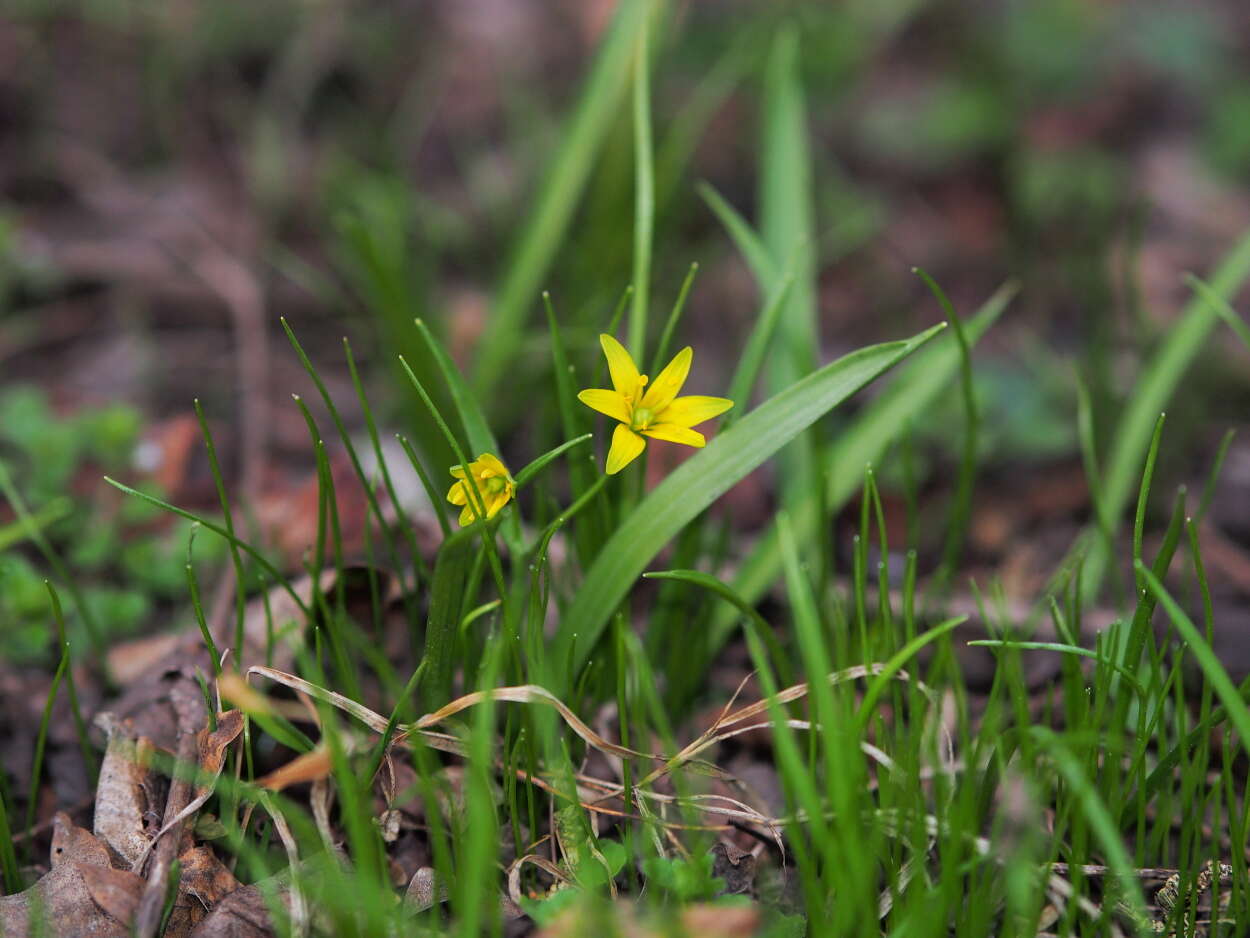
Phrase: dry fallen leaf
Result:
[203,882]
[115,891]
[306,767]
[75,903]
[242,914]
[130,795]
[205,877]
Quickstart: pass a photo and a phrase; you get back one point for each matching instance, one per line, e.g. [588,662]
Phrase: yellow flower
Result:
[495,486]
[656,411]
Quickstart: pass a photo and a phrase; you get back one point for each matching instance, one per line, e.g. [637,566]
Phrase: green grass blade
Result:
[1221,307]
[787,227]
[541,462]
[1143,492]
[1093,477]
[405,526]
[745,238]
[217,529]
[1208,490]
[895,664]
[48,515]
[193,590]
[961,508]
[437,499]
[1229,696]
[240,598]
[752,360]
[472,418]
[41,741]
[644,195]
[476,428]
[786,221]
[80,725]
[573,420]
[863,442]
[350,447]
[475,497]
[8,856]
[561,191]
[1150,397]
[563,517]
[688,125]
[703,478]
[750,616]
[1097,815]
[1065,649]
[660,359]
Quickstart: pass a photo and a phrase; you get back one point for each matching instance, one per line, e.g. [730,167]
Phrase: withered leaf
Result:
[735,866]
[129,797]
[115,891]
[205,877]
[242,914]
[63,898]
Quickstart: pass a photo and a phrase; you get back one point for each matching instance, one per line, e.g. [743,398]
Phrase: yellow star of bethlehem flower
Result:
[494,484]
[654,411]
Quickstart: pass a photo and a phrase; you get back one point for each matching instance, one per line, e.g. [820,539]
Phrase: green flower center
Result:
[495,485]
[641,418]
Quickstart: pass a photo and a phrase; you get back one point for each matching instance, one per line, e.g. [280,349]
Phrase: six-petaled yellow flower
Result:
[495,486]
[654,411]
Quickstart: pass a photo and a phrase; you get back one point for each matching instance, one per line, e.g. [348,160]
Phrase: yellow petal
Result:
[490,465]
[467,516]
[497,505]
[457,495]
[626,445]
[624,372]
[606,402]
[688,411]
[676,434]
[669,381]
[457,472]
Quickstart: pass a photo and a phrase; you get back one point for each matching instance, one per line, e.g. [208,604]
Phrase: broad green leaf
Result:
[455,556]
[703,478]
[917,386]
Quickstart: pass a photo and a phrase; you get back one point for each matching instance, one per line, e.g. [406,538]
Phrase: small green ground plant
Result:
[44,456]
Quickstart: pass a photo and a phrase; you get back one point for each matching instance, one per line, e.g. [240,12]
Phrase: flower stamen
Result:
[641,418]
